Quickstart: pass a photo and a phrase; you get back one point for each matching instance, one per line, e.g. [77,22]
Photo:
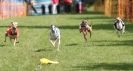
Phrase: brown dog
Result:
[85,28]
[12,32]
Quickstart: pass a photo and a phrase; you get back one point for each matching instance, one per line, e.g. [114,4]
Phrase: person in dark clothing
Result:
[60,7]
[43,9]
[68,5]
[30,5]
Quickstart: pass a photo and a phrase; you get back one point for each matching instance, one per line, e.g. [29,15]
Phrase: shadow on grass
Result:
[41,50]
[95,27]
[85,13]
[92,12]
[104,66]
[2,45]
[114,43]
[46,27]
[109,26]
[72,44]
[101,25]
[91,17]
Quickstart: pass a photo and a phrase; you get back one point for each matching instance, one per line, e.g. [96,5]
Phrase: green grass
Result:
[105,51]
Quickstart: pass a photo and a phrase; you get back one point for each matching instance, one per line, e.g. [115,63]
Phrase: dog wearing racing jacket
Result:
[12,32]
[85,28]
[119,26]
[55,36]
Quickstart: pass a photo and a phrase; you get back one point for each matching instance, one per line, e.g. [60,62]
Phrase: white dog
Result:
[119,26]
[55,36]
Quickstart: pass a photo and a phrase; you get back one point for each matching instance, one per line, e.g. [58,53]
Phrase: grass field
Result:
[104,52]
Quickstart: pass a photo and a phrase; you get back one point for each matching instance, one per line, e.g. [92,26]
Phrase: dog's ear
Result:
[15,24]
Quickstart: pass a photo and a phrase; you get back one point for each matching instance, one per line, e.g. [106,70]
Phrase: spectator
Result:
[78,6]
[54,6]
[60,7]
[68,4]
[45,6]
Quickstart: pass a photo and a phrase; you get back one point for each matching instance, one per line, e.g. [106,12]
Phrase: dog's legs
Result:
[17,40]
[118,33]
[123,30]
[5,37]
[14,42]
[85,38]
[90,34]
[52,42]
[84,34]
[90,31]
[11,40]
[58,43]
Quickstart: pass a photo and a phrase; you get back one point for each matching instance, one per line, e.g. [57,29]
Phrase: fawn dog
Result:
[12,32]
[85,28]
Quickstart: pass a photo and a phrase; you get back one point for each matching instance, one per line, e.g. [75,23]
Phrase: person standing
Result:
[60,7]
[68,4]
[45,6]
[78,6]
[54,6]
